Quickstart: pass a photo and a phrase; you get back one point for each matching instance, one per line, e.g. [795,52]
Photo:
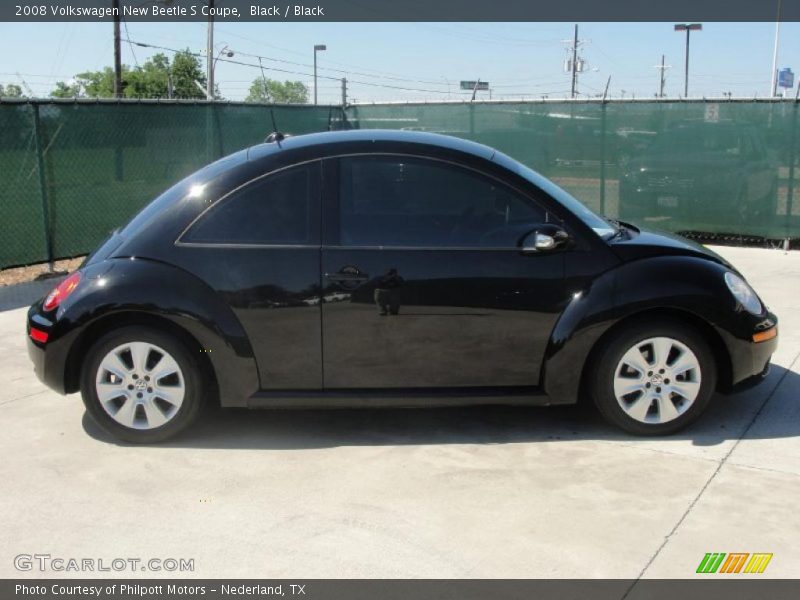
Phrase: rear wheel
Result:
[141,385]
[654,378]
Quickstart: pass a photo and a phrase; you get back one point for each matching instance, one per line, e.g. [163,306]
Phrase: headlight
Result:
[743,293]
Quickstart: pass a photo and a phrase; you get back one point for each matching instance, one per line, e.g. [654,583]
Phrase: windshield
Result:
[684,140]
[599,225]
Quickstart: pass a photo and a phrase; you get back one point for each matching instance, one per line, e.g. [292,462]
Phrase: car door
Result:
[424,284]
[259,249]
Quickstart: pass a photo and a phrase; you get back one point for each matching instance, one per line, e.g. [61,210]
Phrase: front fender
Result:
[127,287]
[677,284]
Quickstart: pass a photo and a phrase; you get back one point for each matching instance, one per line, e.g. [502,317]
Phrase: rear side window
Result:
[415,202]
[279,209]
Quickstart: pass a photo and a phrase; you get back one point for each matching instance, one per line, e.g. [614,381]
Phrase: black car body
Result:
[346,289]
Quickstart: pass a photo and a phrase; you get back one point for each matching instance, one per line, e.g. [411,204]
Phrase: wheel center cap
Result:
[140,385]
[657,379]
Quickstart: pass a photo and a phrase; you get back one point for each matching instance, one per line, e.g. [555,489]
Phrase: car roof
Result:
[389,136]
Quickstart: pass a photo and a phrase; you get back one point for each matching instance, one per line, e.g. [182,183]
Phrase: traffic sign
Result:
[786,78]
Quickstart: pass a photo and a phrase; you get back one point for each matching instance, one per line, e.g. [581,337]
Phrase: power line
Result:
[344,71]
[128,35]
[365,71]
[362,71]
[252,65]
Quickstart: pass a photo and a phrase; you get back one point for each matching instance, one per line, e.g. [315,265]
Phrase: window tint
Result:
[400,201]
[278,209]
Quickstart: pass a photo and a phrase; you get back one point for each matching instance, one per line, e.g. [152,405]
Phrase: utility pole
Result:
[344,92]
[663,69]
[117,52]
[573,64]
[575,61]
[210,52]
[688,28]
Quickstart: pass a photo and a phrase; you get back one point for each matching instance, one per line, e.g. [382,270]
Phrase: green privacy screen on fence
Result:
[72,171]
[718,167]
[102,162]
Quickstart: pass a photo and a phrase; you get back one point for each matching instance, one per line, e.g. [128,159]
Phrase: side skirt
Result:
[399,397]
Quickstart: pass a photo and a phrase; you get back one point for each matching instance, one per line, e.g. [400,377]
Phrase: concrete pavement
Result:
[478,492]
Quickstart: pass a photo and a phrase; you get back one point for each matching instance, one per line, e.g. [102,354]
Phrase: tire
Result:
[135,406]
[659,403]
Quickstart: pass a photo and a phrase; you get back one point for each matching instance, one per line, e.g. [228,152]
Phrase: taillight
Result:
[39,335]
[62,291]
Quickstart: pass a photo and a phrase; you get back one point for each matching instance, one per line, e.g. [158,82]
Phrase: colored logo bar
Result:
[734,562]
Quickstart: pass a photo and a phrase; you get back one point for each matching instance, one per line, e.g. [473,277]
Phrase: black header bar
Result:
[331,11]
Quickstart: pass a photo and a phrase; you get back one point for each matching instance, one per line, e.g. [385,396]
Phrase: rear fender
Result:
[128,287]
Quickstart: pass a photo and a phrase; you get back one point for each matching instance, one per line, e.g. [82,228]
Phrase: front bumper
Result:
[750,360]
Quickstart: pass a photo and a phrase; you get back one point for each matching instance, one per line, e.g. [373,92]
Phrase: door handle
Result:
[347,275]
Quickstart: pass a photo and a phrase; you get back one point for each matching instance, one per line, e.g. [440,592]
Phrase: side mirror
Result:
[545,238]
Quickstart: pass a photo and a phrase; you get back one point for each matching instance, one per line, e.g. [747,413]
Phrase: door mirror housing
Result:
[545,238]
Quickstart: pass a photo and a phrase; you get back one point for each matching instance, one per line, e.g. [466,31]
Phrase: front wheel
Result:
[141,384]
[653,378]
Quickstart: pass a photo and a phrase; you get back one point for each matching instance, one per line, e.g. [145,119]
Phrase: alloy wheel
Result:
[657,380]
[140,385]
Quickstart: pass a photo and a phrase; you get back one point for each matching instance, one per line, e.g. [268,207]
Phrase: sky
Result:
[424,61]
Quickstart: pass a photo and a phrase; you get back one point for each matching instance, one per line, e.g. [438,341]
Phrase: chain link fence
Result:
[71,171]
[710,167]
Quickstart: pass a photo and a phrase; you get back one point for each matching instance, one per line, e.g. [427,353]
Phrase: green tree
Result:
[12,90]
[66,90]
[186,70]
[269,91]
[98,84]
[150,80]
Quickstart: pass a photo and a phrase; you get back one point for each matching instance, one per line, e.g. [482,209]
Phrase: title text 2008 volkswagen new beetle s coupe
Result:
[378,268]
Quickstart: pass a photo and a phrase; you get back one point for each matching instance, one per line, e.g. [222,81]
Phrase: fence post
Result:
[603,158]
[472,119]
[790,184]
[209,132]
[48,237]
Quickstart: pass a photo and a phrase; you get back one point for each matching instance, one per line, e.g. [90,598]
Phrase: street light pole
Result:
[688,28]
[775,52]
[317,48]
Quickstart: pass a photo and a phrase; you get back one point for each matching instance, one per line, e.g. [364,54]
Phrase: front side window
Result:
[279,209]
[412,202]
[598,224]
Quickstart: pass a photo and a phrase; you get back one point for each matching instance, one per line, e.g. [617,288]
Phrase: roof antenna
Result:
[276,136]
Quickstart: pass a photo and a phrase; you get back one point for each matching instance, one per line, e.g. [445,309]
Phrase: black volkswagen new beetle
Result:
[386,268]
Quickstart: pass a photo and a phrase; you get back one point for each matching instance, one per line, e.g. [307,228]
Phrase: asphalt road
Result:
[478,492]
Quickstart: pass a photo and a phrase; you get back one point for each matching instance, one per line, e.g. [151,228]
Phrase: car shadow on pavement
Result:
[728,418]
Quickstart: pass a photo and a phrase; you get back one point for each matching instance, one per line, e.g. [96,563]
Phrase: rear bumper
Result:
[48,358]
